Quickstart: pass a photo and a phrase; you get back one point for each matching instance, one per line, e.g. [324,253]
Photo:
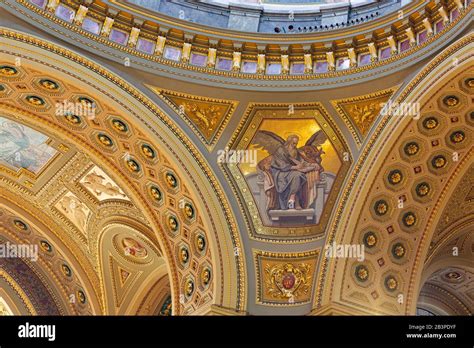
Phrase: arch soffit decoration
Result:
[218,223]
[457,234]
[450,271]
[440,73]
[59,228]
[21,227]
[129,262]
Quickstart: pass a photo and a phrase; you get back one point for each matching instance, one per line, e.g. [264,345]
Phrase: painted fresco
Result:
[295,169]
[23,147]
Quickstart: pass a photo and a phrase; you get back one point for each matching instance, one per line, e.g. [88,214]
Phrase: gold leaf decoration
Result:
[285,279]
[359,113]
[206,116]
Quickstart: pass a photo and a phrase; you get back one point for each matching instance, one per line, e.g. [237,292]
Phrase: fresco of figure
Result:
[288,170]
[23,147]
[12,142]
[290,173]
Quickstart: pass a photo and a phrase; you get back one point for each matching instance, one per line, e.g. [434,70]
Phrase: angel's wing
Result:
[267,140]
[317,139]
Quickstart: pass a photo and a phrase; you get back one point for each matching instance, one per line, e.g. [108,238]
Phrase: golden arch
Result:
[337,291]
[179,154]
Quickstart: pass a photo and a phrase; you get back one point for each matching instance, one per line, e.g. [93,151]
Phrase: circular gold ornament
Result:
[147,151]
[411,148]
[201,243]
[35,100]
[381,207]
[370,239]
[451,101]
[362,273]
[173,223]
[6,70]
[49,84]
[398,250]
[409,219]
[430,123]
[438,161]
[119,126]
[391,283]
[105,140]
[189,287]
[422,189]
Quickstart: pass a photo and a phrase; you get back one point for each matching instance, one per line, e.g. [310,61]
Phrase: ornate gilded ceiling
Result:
[154,193]
[80,194]
[402,206]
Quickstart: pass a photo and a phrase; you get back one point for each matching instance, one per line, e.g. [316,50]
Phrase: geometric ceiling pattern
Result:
[81,198]
[400,202]
[403,205]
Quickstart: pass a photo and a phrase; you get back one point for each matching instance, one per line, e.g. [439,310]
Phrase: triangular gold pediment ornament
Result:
[124,274]
[206,116]
[360,112]
[122,278]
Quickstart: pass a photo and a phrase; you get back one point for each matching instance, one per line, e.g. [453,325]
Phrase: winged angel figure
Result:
[290,172]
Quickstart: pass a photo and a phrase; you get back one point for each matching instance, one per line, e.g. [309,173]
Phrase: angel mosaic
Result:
[290,171]
[290,184]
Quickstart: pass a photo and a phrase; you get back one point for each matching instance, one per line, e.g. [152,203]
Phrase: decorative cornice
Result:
[318,51]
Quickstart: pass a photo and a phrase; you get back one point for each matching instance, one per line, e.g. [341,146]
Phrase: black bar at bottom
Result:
[139,331]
